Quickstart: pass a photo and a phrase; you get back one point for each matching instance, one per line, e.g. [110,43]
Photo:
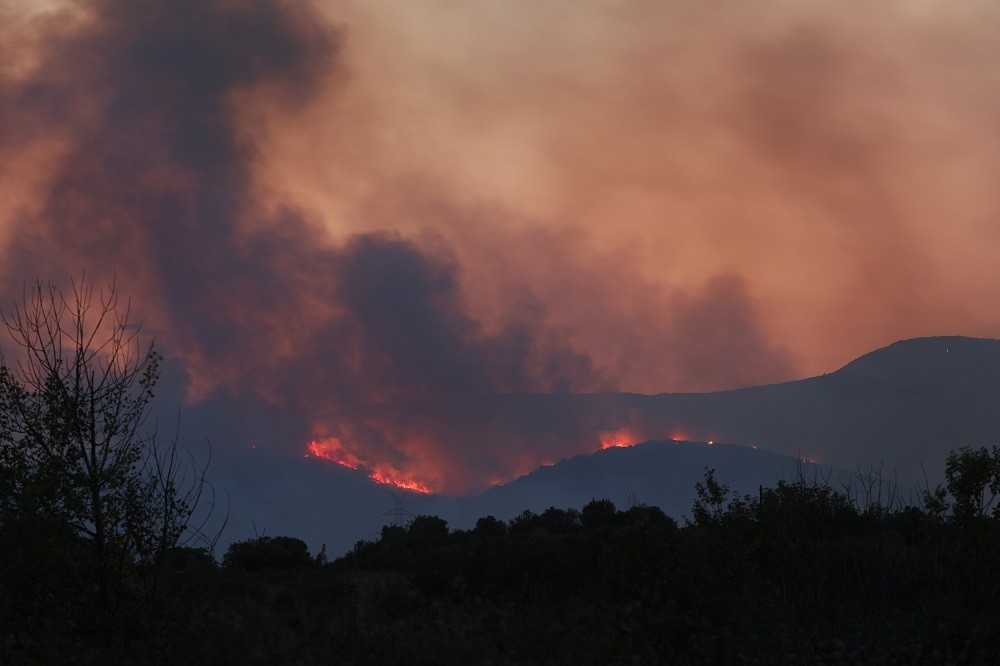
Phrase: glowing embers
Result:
[332,449]
[619,438]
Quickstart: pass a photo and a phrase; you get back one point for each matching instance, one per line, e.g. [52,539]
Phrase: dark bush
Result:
[599,513]
[268,553]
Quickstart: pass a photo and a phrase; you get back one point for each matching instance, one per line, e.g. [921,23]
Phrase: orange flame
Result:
[411,460]
[394,478]
[620,438]
[333,449]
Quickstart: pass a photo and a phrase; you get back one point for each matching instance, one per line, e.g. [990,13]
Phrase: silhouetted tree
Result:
[560,521]
[598,513]
[266,552]
[75,454]
[490,526]
[973,480]
[428,530]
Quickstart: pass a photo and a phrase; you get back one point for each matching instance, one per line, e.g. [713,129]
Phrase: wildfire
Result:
[392,478]
[620,438]
[333,449]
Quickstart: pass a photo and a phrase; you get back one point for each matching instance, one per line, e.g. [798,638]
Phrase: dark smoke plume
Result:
[140,127]
[155,183]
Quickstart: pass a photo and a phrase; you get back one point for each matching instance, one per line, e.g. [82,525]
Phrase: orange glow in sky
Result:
[620,438]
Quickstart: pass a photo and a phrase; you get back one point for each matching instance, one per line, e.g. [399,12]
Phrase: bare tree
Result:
[75,446]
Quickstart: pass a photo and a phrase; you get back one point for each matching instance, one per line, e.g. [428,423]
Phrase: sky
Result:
[316,206]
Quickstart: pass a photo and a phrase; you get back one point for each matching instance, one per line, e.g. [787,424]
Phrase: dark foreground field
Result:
[799,573]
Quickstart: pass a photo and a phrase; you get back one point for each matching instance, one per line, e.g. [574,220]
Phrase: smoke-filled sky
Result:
[329,204]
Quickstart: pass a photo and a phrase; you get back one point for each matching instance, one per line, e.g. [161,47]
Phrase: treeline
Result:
[801,572]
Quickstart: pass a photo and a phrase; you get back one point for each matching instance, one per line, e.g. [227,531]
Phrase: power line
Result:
[399,515]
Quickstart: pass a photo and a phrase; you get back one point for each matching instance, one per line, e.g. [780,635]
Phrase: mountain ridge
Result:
[899,409]
[904,405]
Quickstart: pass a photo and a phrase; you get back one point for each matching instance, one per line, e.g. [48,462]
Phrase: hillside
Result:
[901,408]
[661,473]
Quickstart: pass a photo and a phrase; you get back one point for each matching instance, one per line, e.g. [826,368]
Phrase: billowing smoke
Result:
[320,207]
[153,182]
[157,185]
[151,178]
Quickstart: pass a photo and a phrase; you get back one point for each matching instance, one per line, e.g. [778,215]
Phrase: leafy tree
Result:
[524,522]
[75,451]
[559,521]
[713,500]
[973,477]
[598,513]
[427,530]
[490,526]
[264,552]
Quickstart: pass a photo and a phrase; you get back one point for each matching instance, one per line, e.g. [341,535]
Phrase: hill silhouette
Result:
[900,408]
[660,473]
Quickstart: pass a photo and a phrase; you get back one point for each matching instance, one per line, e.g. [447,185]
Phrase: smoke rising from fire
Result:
[157,184]
[327,206]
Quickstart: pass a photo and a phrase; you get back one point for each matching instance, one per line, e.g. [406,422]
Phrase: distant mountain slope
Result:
[900,407]
[943,359]
[904,406]
[332,505]
[660,473]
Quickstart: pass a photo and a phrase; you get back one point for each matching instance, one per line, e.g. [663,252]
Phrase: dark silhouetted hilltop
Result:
[660,473]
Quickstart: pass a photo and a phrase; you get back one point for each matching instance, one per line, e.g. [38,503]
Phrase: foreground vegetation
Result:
[802,572]
[93,509]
